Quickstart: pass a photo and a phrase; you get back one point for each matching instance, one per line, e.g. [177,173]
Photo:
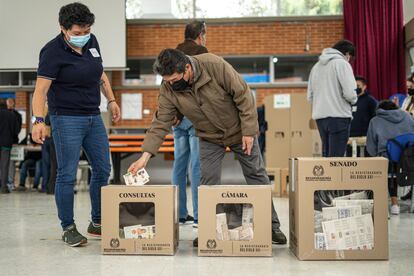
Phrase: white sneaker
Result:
[395,209]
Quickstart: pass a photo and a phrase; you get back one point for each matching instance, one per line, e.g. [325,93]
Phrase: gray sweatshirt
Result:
[387,124]
[331,86]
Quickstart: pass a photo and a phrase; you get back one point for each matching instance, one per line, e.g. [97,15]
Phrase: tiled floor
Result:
[30,245]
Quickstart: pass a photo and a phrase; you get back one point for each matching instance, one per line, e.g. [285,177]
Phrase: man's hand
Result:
[115,111]
[247,142]
[396,100]
[140,163]
[39,133]
[176,121]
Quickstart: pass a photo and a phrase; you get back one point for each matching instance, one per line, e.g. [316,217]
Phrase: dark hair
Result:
[3,103]
[170,61]
[387,105]
[194,29]
[75,14]
[345,47]
[361,79]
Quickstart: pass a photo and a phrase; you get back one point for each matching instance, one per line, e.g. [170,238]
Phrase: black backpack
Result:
[404,168]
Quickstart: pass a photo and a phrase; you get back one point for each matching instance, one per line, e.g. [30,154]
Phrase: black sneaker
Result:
[94,230]
[72,237]
[195,223]
[187,219]
[278,237]
[195,242]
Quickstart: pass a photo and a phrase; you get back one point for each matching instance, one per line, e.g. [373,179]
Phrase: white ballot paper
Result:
[320,242]
[317,215]
[366,204]
[222,231]
[247,217]
[140,178]
[353,233]
[331,213]
[139,232]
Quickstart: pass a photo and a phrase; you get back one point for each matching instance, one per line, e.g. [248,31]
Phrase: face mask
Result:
[411,91]
[79,40]
[180,85]
[358,90]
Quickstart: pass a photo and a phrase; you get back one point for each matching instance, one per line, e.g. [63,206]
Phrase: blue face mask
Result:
[80,40]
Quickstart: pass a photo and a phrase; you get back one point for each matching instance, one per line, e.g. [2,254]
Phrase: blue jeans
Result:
[45,163]
[334,134]
[24,171]
[186,152]
[70,134]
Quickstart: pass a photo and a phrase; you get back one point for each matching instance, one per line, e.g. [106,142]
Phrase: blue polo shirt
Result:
[75,88]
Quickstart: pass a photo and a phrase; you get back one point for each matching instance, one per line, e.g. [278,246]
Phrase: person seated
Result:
[362,112]
[408,104]
[389,123]
[32,162]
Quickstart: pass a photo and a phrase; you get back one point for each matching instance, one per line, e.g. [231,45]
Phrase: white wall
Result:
[27,25]
[408,10]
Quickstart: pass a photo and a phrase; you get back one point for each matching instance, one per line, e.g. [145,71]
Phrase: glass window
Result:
[9,78]
[140,72]
[253,69]
[29,78]
[293,69]
[231,8]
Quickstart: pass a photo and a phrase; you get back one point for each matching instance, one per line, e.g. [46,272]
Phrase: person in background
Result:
[389,123]
[32,162]
[9,129]
[362,112]
[262,128]
[332,92]
[70,74]
[11,105]
[217,100]
[408,106]
[186,144]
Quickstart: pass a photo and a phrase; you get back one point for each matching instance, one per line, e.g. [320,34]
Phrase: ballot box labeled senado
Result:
[234,220]
[140,220]
[338,208]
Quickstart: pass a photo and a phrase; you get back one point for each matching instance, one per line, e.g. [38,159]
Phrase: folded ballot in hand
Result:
[140,178]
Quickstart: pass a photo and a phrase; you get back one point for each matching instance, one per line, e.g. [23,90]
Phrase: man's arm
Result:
[347,80]
[160,127]
[310,91]
[38,105]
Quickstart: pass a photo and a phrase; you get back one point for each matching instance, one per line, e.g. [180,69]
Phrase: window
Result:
[253,69]
[29,78]
[230,8]
[293,69]
[9,78]
[140,72]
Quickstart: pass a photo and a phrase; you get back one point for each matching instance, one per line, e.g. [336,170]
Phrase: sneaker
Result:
[408,195]
[72,237]
[278,237]
[395,210]
[20,188]
[195,224]
[94,230]
[5,190]
[195,242]
[187,219]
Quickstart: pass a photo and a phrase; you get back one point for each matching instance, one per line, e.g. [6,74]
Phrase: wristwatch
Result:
[37,120]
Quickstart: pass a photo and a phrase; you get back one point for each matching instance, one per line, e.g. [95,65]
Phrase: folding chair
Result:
[395,147]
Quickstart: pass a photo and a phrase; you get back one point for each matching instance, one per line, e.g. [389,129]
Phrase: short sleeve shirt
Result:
[75,88]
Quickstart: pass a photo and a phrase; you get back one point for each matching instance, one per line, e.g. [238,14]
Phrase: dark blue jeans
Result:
[334,134]
[70,134]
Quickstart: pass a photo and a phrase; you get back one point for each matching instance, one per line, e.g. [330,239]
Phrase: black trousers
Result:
[334,134]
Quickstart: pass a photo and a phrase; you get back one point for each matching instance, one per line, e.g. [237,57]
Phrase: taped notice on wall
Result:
[281,101]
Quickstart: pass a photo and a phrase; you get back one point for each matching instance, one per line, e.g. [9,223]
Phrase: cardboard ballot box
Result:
[139,219]
[338,208]
[279,182]
[234,220]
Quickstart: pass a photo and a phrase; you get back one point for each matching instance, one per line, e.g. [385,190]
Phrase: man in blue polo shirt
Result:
[71,74]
